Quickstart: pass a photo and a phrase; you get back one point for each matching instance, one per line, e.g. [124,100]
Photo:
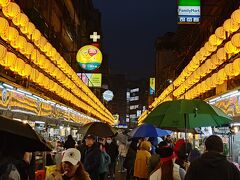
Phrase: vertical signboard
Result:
[152,86]
[189,11]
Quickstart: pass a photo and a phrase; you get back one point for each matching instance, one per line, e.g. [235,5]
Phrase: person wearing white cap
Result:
[71,167]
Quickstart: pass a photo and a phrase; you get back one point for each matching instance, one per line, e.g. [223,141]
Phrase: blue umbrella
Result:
[148,130]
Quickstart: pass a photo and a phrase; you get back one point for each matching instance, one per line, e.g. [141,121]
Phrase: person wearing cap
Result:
[92,157]
[212,165]
[71,168]
[167,169]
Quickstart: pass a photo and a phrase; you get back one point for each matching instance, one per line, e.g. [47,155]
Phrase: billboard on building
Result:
[189,11]
[152,86]
[91,79]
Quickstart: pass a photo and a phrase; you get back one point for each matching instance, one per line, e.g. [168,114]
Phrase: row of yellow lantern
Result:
[216,60]
[20,43]
[12,11]
[232,47]
[230,71]
[229,26]
[11,61]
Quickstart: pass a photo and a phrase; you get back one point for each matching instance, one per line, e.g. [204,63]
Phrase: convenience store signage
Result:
[189,11]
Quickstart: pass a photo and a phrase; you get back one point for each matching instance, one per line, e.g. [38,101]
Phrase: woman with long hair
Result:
[71,168]
[167,169]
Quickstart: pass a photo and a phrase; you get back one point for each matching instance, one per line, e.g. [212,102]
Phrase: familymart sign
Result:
[189,11]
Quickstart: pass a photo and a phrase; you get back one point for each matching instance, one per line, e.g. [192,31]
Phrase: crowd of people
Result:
[96,158]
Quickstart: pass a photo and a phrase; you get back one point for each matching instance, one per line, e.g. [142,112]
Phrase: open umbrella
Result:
[21,135]
[99,129]
[187,114]
[148,130]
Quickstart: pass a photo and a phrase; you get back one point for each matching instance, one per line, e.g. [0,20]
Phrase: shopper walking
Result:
[122,155]
[105,161]
[92,157]
[142,159]
[212,165]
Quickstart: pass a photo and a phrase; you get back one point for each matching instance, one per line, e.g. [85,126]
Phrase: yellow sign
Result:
[91,80]
[89,57]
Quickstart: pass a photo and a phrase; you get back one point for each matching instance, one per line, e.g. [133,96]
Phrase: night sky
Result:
[130,28]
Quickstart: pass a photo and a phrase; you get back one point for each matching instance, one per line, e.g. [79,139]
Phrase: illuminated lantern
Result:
[9,59]
[3,52]
[41,61]
[35,56]
[47,47]
[4,26]
[4,3]
[41,42]
[19,66]
[29,48]
[230,26]
[28,29]
[210,47]
[20,20]
[221,54]
[236,66]
[229,70]
[236,40]
[19,43]
[236,16]
[221,76]
[199,56]
[220,33]
[27,70]
[230,49]
[36,35]
[12,34]
[11,10]
[214,40]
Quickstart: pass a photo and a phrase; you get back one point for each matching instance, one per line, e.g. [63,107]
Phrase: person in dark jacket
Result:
[130,159]
[92,157]
[112,150]
[212,165]
[70,143]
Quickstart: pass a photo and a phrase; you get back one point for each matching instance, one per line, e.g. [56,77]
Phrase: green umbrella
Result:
[187,114]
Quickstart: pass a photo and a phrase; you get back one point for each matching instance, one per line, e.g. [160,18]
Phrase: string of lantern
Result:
[40,52]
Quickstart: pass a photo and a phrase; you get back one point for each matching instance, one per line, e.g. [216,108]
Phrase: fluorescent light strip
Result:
[229,94]
[8,86]
[25,92]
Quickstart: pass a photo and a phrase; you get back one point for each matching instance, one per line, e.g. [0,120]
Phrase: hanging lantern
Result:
[229,70]
[230,49]
[47,47]
[29,49]
[3,52]
[11,10]
[28,29]
[236,67]
[236,40]
[41,42]
[230,26]
[236,16]
[214,40]
[35,56]
[9,59]
[4,3]
[12,34]
[27,70]
[36,35]
[41,61]
[19,66]
[4,26]
[221,54]
[210,47]
[20,20]
[220,33]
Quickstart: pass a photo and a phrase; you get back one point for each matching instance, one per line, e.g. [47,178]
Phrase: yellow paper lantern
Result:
[210,47]
[4,3]
[28,29]
[230,26]
[11,10]
[41,61]
[4,26]
[220,33]
[222,76]
[19,66]
[35,56]
[9,59]
[236,40]
[27,70]
[230,49]
[221,54]
[36,35]
[41,42]
[47,47]
[236,16]
[3,52]
[29,49]
[236,66]
[12,34]
[20,20]
[214,40]
[229,70]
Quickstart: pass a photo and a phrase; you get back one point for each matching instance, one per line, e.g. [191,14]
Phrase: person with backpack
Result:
[105,161]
